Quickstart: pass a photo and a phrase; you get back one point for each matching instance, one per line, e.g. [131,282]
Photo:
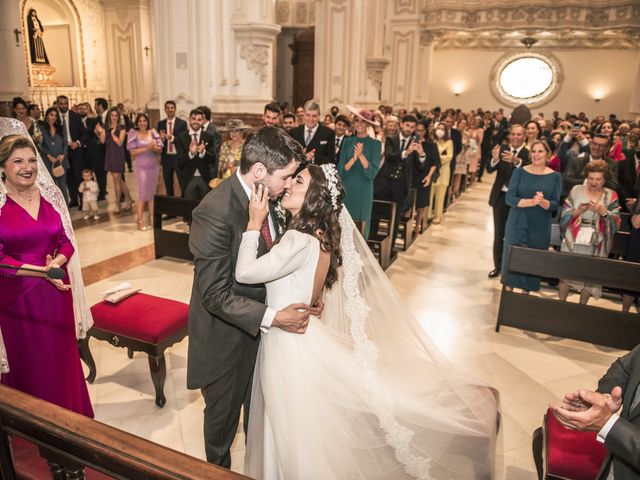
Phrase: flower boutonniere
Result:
[281,218]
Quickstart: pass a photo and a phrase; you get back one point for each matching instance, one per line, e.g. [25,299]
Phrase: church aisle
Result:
[443,279]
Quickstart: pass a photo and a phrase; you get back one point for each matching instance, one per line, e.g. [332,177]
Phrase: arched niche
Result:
[62,39]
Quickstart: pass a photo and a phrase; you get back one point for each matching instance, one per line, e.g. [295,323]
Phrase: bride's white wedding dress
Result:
[363,394]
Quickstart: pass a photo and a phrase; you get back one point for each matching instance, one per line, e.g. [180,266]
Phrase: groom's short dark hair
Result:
[272,147]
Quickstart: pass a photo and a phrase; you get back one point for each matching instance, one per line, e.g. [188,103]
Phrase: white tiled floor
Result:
[443,279]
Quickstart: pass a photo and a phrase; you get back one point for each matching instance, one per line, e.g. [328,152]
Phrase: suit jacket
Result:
[76,127]
[456,139]
[217,138]
[324,143]
[628,181]
[224,315]
[504,169]
[339,150]
[573,176]
[179,127]
[623,440]
[395,169]
[205,165]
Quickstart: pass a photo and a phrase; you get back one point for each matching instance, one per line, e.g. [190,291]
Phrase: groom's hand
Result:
[293,319]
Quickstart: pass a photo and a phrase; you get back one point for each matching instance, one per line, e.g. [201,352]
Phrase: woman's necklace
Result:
[25,196]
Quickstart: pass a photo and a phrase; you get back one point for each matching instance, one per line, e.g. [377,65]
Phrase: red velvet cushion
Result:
[141,316]
[572,454]
[29,465]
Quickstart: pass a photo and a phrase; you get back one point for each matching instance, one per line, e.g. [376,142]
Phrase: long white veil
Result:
[439,421]
[50,192]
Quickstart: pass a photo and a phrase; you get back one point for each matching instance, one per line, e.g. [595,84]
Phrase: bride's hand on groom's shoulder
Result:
[258,206]
[293,319]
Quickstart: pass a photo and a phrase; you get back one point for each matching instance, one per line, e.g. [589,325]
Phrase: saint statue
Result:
[36,43]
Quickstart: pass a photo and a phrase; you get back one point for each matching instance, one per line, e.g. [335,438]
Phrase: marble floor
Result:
[443,280]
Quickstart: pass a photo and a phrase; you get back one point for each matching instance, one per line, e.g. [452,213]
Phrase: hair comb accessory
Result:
[331,174]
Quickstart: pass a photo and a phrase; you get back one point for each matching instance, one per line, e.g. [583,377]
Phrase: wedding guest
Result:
[532,132]
[299,116]
[590,218]
[462,163]
[89,190]
[73,132]
[358,166]
[144,145]
[271,114]
[424,171]
[35,112]
[21,112]
[169,128]
[196,158]
[475,134]
[288,122]
[633,251]
[112,136]
[343,125]
[54,150]
[328,121]
[231,149]
[317,140]
[439,188]
[534,195]
[37,322]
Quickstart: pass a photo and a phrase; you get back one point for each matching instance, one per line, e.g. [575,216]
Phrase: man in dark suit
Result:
[505,158]
[73,131]
[170,128]
[342,125]
[393,181]
[596,149]
[594,411]
[225,317]
[196,158]
[318,141]
[271,114]
[456,139]
[211,129]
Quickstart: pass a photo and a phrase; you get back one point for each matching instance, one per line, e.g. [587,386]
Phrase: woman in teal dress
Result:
[358,166]
[534,194]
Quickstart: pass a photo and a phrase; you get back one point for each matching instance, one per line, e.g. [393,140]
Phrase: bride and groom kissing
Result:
[305,332]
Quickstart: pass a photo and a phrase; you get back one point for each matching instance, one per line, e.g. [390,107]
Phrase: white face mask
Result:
[440,133]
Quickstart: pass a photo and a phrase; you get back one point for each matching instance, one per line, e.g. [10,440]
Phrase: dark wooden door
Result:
[303,52]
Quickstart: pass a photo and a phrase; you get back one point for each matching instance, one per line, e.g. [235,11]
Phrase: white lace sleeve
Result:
[285,257]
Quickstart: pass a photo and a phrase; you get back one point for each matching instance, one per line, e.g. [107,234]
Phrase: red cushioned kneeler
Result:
[571,454]
[30,465]
[140,323]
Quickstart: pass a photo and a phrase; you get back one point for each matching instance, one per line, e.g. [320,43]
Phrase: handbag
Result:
[586,235]
[57,170]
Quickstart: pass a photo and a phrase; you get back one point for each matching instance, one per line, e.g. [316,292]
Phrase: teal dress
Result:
[358,182]
[531,226]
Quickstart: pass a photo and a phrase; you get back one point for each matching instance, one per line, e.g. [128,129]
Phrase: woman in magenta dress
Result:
[144,144]
[38,350]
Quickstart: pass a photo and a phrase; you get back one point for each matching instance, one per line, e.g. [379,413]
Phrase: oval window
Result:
[526,77]
[529,78]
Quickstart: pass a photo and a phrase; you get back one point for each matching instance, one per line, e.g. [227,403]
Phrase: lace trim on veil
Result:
[366,353]
[50,192]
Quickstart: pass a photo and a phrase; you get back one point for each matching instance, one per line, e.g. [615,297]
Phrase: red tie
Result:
[170,147]
[265,233]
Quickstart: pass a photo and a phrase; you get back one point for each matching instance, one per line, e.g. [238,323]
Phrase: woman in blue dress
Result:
[358,166]
[534,195]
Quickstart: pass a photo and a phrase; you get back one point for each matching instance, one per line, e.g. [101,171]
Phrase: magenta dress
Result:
[37,319]
[145,165]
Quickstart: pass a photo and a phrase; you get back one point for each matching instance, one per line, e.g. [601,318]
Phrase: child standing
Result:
[89,190]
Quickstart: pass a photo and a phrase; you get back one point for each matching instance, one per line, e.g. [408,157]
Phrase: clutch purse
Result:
[119,293]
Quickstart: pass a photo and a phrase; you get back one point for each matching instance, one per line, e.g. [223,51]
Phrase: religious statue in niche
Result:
[36,42]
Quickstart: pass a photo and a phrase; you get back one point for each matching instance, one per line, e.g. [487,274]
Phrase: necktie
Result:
[170,147]
[404,144]
[195,138]
[265,233]
[307,140]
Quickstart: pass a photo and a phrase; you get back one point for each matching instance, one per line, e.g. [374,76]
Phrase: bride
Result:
[363,394]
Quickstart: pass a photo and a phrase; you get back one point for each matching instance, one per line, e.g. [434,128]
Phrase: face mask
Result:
[440,133]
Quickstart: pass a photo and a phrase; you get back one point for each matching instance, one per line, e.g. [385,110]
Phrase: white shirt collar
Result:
[245,187]
[313,130]
[193,132]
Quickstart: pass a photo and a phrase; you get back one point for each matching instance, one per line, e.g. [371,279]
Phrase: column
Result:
[13,81]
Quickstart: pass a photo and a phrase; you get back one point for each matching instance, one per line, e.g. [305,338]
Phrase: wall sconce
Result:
[597,100]
[457,89]
[146,51]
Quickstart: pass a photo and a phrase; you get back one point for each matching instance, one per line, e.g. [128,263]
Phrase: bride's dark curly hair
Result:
[319,218]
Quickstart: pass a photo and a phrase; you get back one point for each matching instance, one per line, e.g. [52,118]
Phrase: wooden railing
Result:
[71,442]
[587,323]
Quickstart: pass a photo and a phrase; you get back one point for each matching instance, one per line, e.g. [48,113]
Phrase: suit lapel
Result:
[242,206]
[632,388]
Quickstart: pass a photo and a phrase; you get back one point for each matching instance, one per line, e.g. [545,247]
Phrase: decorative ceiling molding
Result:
[564,24]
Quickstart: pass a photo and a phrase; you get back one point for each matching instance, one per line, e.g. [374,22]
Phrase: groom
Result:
[225,317]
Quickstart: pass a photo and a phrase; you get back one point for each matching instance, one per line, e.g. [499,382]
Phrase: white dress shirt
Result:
[201,155]
[517,165]
[269,313]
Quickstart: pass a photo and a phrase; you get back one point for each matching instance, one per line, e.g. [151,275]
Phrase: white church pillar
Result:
[13,81]
[634,105]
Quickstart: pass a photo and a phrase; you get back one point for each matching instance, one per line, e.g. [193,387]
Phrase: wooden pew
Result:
[166,242]
[406,227]
[587,323]
[380,241]
[70,442]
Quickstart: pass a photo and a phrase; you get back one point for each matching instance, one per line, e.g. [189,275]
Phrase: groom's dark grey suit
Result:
[224,317]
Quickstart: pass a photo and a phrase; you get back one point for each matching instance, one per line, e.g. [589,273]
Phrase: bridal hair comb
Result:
[331,174]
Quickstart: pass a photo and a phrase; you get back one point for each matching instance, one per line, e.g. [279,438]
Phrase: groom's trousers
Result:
[223,400]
